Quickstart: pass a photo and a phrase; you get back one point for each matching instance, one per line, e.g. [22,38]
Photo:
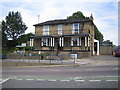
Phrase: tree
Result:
[13,26]
[24,38]
[107,42]
[97,34]
[79,14]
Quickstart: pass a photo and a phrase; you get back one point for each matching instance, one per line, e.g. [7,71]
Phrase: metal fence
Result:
[39,58]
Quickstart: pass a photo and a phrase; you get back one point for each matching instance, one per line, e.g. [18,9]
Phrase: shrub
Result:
[27,48]
[16,49]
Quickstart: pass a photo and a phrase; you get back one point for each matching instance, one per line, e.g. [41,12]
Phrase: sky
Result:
[105,13]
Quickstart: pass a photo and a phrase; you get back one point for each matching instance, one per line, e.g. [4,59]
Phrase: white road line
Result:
[40,79]
[94,80]
[114,68]
[76,78]
[4,80]
[19,79]
[52,80]
[89,69]
[29,79]
[79,80]
[111,80]
[64,80]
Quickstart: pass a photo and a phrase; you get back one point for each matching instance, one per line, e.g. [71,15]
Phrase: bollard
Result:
[74,58]
[39,58]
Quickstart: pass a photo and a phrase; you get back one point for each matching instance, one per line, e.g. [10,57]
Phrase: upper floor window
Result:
[60,29]
[46,30]
[76,27]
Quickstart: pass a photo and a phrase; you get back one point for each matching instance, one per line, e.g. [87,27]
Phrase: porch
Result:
[79,42]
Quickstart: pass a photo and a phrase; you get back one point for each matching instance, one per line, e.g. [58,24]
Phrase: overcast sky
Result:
[105,13]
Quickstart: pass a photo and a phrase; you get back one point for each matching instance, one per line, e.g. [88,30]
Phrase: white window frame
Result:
[46,42]
[46,30]
[78,28]
[60,28]
[72,41]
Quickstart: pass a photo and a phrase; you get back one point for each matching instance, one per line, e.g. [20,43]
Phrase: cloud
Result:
[104,13]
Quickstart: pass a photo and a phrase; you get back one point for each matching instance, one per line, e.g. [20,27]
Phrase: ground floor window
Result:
[75,41]
[45,42]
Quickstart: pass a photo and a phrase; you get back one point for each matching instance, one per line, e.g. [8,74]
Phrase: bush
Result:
[16,49]
[27,48]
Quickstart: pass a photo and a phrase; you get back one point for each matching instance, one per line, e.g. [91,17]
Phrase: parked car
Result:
[117,53]
[113,52]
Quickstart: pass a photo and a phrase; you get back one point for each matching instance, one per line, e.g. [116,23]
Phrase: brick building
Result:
[73,36]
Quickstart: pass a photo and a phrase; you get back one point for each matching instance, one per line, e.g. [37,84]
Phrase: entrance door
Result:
[58,44]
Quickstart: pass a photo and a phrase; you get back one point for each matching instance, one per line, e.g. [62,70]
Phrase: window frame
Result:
[45,42]
[60,29]
[77,42]
[74,29]
[46,30]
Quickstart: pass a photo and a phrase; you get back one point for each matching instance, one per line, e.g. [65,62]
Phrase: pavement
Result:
[95,72]
[94,60]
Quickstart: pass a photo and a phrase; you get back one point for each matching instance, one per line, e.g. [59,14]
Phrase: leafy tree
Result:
[97,34]
[13,27]
[107,42]
[79,14]
[24,38]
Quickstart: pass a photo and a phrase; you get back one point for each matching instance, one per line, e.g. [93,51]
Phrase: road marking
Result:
[94,80]
[19,79]
[56,70]
[40,79]
[89,69]
[4,80]
[52,80]
[29,79]
[111,80]
[115,69]
[79,80]
[64,80]
[76,78]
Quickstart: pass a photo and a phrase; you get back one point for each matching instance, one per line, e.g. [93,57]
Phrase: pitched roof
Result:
[63,21]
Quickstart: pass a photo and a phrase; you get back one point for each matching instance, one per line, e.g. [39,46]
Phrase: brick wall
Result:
[106,50]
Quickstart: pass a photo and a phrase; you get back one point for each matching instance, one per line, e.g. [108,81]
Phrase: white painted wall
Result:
[98,50]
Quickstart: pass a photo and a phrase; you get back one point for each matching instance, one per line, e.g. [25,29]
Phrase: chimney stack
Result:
[91,17]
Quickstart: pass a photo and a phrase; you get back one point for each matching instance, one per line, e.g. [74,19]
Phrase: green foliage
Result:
[107,42]
[16,49]
[13,27]
[77,14]
[27,48]
[97,33]
[24,38]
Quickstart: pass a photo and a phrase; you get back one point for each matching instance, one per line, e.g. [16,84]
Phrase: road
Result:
[83,76]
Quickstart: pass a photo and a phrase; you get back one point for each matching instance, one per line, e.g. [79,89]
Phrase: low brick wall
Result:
[19,56]
[84,55]
[106,50]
